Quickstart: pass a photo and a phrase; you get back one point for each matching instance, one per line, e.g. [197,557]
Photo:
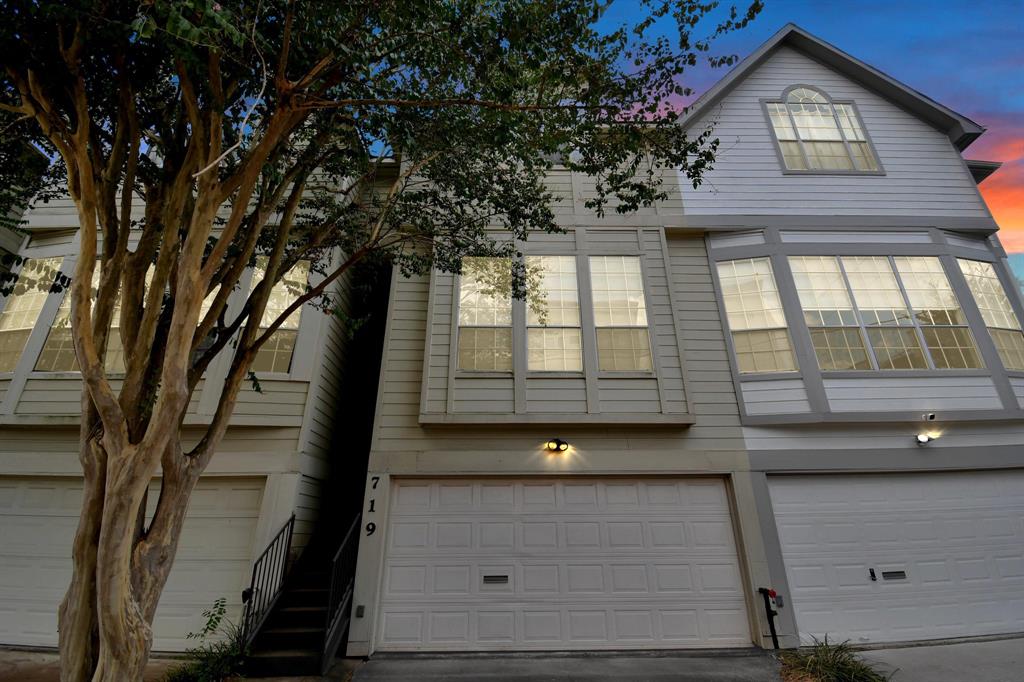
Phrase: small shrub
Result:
[221,651]
[826,661]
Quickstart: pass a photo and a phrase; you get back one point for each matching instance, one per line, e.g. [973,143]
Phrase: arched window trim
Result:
[808,170]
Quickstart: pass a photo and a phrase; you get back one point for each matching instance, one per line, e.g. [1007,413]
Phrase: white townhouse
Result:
[274,461]
[806,375]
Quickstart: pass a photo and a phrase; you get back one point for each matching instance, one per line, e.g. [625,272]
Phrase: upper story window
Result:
[485,314]
[553,338]
[553,319]
[903,306]
[1002,322]
[58,354]
[22,308]
[818,135]
[620,314]
[276,354]
[756,318]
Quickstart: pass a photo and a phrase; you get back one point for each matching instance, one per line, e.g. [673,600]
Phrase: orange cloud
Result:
[1004,190]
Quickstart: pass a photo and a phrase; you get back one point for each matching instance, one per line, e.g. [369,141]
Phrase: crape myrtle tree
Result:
[194,136]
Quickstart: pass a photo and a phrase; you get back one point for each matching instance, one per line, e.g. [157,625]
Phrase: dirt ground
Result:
[41,666]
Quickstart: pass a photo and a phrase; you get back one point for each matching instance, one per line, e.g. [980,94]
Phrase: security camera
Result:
[928,416]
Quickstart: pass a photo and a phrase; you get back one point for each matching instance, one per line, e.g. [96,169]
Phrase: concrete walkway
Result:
[992,661]
[621,667]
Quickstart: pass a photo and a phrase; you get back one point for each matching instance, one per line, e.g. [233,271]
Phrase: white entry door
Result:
[896,557]
[560,564]
[38,517]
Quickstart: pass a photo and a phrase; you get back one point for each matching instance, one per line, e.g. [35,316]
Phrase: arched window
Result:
[815,134]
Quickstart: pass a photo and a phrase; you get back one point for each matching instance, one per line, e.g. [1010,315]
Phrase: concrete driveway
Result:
[753,666]
[991,661]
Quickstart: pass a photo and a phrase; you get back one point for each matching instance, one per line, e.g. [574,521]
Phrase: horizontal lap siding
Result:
[783,396]
[1018,389]
[556,395]
[924,174]
[401,444]
[932,393]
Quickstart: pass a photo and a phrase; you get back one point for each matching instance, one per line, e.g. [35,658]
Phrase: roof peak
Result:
[961,130]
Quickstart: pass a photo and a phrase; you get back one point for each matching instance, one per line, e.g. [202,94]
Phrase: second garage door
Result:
[38,517]
[892,557]
[560,564]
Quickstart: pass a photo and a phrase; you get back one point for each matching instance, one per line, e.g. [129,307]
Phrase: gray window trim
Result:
[765,101]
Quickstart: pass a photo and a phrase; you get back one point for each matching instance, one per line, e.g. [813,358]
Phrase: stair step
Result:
[281,637]
[299,616]
[306,596]
[283,662]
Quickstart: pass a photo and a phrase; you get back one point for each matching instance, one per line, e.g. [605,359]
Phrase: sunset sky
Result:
[967,55]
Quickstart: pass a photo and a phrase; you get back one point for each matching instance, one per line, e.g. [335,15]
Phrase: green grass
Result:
[826,661]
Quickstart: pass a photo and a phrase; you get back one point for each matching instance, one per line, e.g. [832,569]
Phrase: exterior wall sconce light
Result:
[556,445]
[924,438]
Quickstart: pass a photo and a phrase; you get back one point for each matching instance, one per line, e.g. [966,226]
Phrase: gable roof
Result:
[961,130]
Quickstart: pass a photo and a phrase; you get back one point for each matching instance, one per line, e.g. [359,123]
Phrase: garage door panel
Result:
[947,550]
[38,518]
[560,564]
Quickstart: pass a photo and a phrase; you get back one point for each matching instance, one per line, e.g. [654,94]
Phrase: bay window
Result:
[485,315]
[755,315]
[1000,319]
[23,306]
[829,313]
[276,354]
[553,338]
[620,314]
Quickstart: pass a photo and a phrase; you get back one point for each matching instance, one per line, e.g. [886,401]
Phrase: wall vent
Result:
[894,575]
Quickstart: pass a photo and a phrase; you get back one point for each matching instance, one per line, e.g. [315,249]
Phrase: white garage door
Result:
[38,517]
[946,550]
[570,564]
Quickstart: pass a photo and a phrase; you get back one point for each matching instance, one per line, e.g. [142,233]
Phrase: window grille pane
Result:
[828,156]
[555,350]
[22,308]
[276,353]
[863,157]
[876,291]
[792,156]
[840,348]
[929,292]
[848,120]
[485,348]
[750,295]
[485,292]
[58,354]
[897,348]
[554,301]
[623,349]
[618,291]
[988,293]
[780,122]
[766,350]
[1010,345]
[553,337]
[815,122]
[823,294]
[951,347]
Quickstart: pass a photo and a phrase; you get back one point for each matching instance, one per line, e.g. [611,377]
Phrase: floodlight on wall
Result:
[924,438]
[556,445]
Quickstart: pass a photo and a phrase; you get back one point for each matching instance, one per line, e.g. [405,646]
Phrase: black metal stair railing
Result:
[265,587]
[339,603]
